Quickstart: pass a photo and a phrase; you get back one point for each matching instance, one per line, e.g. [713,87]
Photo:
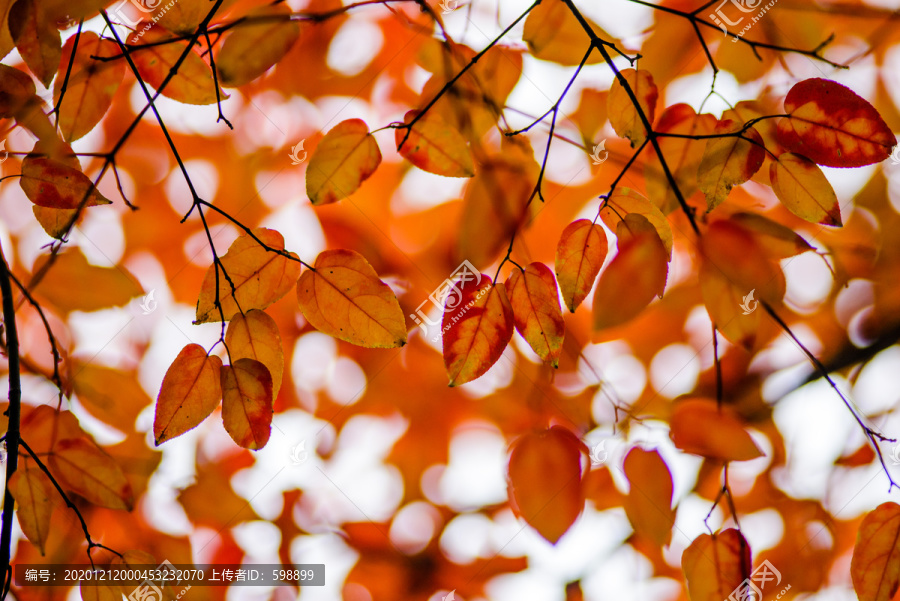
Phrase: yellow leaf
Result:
[91,85]
[554,34]
[779,241]
[580,254]
[729,161]
[875,567]
[36,499]
[36,37]
[53,184]
[112,395]
[434,146]
[346,157]
[700,427]
[73,284]
[254,335]
[534,299]
[259,276]
[623,115]
[715,565]
[247,403]
[344,298]
[82,467]
[249,51]
[190,391]
[801,186]
[624,201]
[155,55]
[649,501]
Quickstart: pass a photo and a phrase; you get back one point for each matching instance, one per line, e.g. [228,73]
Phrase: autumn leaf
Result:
[250,51]
[113,395]
[729,161]
[248,276]
[82,467]
[344,298]
[73,284]
[16,90]
[777,240]
[701,427]
[875,566]
[833,126]
[715,565]
[804,190]
[35,501]
[580,254]
[254,335]
[624,201]
[346,157]
[623,115]
[554,34]
[545,481]
[190,391]
[53,184]
[247,403]
[433,146]
[155,55]
[36,38]
[649,501]
[634,276]
[534,299]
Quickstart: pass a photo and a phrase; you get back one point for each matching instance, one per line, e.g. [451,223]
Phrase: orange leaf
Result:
[73,284]
[833,126]
[534,299]
[635,275]
[259,276]
[190,391]
[624,201]
[112,395]
[715,565]
[545,484]
[247,403]
[155,55]
[553,33]
[81,466]
[623,115]
[346,157]
[475,335]
[729,161]
[801,186]
[344,298]
[36,37]
[250,50]
[435,147]
[778,241]
[875,567]
[50,183]
[700,427]
[580,254]
[649,501]
[91,85]
[254,335]
[16,90]
[35,501]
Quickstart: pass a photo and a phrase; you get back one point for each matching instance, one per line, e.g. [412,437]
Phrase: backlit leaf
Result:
[16,90]
[112,395]
[259,276]
[36,37]
[193,83]
[73,284]
[35,500]
[534,299]
[344,298]
[801,186]
[580,254]
[649,501]
[190,391]
[715,565]
[82,467]
[875,567]
[250,51]
[435,147]
[247,403]
[343,160]
[476,330]
[700,427]
[833,126]
[634,276]
[729,161]
[779,241]
[254,335]
[545,481]
[623,115]
[624,201]
[53,184]
[91,85]
[553,33]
